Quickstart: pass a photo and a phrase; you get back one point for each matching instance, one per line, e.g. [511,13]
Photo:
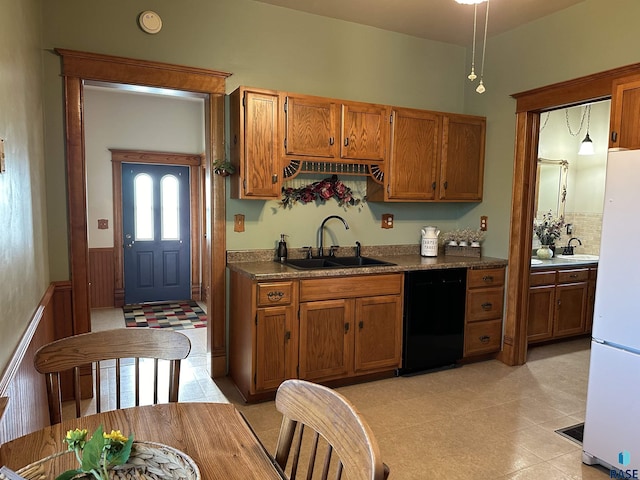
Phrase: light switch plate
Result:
[238,222]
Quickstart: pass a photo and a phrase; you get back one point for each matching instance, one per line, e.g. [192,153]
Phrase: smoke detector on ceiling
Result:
[150,21]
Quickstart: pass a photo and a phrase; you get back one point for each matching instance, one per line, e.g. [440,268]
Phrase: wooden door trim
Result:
[529,106]
[80,66]
[194,162]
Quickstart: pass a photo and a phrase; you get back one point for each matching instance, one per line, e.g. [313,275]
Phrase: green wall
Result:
[272,47]
[24,273]
[269,47]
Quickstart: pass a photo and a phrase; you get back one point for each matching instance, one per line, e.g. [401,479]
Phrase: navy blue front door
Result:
[156,227]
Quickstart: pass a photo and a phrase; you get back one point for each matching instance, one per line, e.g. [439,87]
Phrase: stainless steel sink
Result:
[334,262]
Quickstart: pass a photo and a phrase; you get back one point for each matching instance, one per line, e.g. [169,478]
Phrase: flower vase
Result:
[544,252]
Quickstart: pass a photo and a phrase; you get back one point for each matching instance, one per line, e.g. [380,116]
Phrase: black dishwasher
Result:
[434,308]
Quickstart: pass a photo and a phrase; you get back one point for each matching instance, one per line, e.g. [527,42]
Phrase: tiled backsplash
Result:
[587,227]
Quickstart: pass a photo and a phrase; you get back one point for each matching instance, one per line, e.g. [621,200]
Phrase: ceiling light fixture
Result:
[472,76]
[586,147]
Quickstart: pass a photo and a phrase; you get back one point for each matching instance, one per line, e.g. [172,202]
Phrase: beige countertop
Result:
[263,269]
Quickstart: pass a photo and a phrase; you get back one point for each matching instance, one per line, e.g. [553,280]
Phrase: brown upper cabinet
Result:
[434,157]
[424,156]
[255,150]
[325,129]
[625,104]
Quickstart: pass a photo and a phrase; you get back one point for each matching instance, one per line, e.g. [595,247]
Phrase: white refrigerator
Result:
[612,422]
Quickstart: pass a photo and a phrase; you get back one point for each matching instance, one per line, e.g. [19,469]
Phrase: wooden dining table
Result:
[215,435]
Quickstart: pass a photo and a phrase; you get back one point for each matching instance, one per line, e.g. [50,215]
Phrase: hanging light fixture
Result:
[472,76]
[586,147]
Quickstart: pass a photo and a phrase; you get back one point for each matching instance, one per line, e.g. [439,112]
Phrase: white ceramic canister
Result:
[429,247]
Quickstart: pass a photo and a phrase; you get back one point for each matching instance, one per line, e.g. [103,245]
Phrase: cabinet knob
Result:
[346,142]
[287,336]
[346,327]
[361,324]
[331,141]
[486,306]
[274,178]
[614,137]
[446,184]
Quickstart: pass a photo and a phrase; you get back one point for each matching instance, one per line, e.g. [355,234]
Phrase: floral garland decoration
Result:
[321,190]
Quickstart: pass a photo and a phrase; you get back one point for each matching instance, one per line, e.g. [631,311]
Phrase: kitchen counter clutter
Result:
[342,325]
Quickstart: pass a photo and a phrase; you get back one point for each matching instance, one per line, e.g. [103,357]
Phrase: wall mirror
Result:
[551,186]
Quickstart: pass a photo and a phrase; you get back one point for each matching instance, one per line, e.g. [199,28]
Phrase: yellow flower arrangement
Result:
[97,455]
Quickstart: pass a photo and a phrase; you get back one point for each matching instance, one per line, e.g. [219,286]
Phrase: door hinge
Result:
[285,143]
[256,319]
[243,99]
[286,102]
[298,313]
[391,118]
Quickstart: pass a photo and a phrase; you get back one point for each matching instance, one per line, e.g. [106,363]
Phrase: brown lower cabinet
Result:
[319,329]
[484,310]
[560,302]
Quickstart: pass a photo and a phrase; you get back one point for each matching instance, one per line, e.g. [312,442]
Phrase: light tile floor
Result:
[481,421]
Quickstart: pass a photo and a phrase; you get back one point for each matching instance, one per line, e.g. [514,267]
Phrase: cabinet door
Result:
[326,339]
[462,170]
[255,145]
[571,306]
[310,126]
[625,104]
[378,333]
[365,129]
[415,155]
[275,347]
[541,312]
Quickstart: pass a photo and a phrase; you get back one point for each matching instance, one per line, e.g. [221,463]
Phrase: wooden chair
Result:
[336,427]
[92,348]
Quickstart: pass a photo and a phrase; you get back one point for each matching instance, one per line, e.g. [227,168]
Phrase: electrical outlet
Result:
[483,223]
[103,224]
[238,222]
[387,220]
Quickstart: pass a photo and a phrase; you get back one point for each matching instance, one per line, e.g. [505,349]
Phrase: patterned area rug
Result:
[175,315]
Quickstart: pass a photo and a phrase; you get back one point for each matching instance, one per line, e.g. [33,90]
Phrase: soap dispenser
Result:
[282,248]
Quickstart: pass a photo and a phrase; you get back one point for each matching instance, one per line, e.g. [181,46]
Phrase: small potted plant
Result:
[475,237]
[223,167]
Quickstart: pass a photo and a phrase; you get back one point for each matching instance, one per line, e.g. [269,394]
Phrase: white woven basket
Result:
[148,461]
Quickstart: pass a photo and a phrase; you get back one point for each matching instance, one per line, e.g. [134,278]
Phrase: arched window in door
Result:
[143,205]
[170,205]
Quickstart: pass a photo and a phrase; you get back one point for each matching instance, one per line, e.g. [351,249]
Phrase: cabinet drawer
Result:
[350,287]
[274,293]
[490,277]
[573,276]
[542,278]
[482,337]
[485,304]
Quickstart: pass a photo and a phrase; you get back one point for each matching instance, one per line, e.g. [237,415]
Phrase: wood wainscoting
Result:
[24,388]
[102,277]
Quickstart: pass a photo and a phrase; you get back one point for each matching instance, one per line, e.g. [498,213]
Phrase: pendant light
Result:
[472,76]
[586,147]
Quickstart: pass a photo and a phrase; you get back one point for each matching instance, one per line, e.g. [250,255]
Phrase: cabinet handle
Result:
[446,184]
[287,336]
[487,278]
[573,275]
[361,324]
[274,178]
[346,142]
[614,137]
[346,327]
[331,140]
[433,186]
[275,296]
[486,306]
[484,339]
